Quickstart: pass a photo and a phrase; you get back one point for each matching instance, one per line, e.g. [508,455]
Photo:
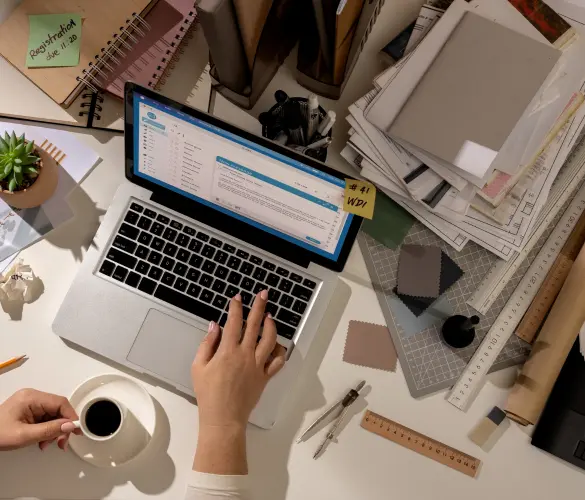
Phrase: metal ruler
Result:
[500,274]
[420,443]
[472,377]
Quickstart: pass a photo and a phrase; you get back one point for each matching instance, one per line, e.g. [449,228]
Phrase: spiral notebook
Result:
[110,29]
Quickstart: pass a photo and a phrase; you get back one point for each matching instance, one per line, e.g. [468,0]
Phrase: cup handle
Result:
[77,424]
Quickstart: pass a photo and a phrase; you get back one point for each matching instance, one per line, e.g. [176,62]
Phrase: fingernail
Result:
[238,297]
[268,315]
[264,294]
[211,326]
[68,427]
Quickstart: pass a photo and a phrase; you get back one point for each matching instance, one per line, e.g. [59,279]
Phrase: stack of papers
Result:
[470,129]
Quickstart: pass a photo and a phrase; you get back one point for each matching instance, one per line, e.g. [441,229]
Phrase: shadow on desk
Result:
[54,474]
[268,451]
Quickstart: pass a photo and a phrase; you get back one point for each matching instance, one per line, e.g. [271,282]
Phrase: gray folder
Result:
[476,89]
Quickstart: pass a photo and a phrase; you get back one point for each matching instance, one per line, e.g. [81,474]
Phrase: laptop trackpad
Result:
[166,346]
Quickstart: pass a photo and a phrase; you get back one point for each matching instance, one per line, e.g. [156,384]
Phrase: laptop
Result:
[208,211]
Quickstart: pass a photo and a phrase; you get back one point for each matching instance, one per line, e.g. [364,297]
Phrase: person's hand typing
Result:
[30,416]
[229,374]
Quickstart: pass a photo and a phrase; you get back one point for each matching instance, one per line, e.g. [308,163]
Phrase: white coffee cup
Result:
[101,418]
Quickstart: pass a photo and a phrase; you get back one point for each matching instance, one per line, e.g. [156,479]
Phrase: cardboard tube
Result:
[550,351]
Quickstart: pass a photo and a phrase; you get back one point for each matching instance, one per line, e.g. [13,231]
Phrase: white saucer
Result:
[137,432]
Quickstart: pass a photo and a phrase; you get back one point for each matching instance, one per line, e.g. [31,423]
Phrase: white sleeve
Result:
[202,486]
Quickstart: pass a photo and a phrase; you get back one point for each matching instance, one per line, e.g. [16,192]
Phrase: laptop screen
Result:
[238,177]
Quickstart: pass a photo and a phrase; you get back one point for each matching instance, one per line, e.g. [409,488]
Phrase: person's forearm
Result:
[221,450]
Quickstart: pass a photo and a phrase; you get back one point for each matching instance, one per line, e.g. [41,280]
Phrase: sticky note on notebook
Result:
[360,198]
[54,40]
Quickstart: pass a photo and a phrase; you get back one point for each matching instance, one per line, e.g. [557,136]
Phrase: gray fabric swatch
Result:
[419,271]
[438,312]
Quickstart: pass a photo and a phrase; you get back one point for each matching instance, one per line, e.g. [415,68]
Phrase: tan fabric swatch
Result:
[369,345]
[419,271]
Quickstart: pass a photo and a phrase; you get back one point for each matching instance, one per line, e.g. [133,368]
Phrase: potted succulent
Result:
[28,175]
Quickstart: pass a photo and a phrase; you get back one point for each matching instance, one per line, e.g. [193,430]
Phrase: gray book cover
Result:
[473,94]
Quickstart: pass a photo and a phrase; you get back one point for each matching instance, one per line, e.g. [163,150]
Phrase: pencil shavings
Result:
[16,282]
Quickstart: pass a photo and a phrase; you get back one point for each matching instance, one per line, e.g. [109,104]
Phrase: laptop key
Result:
[186,303]
[234,263]
[189,230]
[144,223]
[167,263]
[181,284]
[284,330]
[218,286]
[216,243]
[120,273]
[285,285]
[193,274]
[286,300]
[154,258]
[163,218]
[141,252]
[206,280]
[207,296]
[147,286]
[231,291]
[242,254]
[168,279]
[296,278]
[136,207]
[223,320]
[302,293]
[234,278]
[183,240]
[247,283]
[230,248]
[289,317]
[124,244]
[150,213]
[131,217]
[258,287]
[256,260]
[142,267]
[183,255]
[246,268]
[157,229]
[208,266]
[145,238]
[309,284]
[193,290]
[246,297]
[271,308]
[170,249]
[273,295]
[220,257]
[170,234]
[219,301]
[208,251]
[180,269]
[133,279]
[176,225]
[157,244]
[129,231]
[121,258]
[259,274]
[195,245]
[299,306]
[272,279]
[155,273]
[202,236]
[282,271]
[196,260]
[269,265]
[107,268]
[221,272]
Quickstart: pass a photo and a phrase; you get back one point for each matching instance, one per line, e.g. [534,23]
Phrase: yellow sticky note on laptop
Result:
[360,198]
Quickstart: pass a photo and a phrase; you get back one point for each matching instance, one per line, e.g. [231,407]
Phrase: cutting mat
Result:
[428,364]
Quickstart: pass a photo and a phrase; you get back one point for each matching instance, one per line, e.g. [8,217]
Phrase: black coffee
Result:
[103,418]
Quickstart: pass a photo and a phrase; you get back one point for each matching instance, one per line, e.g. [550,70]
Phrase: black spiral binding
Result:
[185,33]
[97,73]
[91,106]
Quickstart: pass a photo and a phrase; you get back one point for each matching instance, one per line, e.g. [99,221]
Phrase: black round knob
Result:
[459,331]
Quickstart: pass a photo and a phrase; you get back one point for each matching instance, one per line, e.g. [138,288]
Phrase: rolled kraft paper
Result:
[550,350]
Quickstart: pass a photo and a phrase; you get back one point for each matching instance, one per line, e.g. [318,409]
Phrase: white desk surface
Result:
[360,465]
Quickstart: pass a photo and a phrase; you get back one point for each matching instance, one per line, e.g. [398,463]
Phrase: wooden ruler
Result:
[534,317]
[420,443]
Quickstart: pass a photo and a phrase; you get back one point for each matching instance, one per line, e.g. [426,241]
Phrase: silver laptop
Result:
[209,211]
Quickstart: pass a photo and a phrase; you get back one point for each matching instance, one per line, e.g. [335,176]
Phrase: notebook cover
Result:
[101,19]
[484,71]
[169,21]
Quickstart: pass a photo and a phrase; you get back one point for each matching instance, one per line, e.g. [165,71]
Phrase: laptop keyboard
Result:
[199,272]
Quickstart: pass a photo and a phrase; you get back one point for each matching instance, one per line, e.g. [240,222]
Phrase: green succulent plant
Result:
[17,161]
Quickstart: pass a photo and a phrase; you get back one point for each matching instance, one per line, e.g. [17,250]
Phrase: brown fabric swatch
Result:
[369,345]
[419,271]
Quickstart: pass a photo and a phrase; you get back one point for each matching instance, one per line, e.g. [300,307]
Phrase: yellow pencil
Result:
[11,361]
